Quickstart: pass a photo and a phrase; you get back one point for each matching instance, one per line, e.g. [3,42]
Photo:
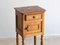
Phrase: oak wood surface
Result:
[30,10]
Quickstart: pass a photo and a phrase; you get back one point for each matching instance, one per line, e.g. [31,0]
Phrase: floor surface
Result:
[54,40]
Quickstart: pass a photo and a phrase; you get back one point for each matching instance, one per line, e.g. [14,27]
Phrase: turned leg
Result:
[17,39]
[42,40]
[23,41]
[34,40]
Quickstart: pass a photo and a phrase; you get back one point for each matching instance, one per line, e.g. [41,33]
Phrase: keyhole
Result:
[26,28]
[38,26]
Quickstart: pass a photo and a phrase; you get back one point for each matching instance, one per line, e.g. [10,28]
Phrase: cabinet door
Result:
[32,26]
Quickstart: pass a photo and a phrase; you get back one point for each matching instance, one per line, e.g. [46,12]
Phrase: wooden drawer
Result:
[32,17]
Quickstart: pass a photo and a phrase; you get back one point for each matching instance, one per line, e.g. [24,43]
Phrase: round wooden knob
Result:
[33,16]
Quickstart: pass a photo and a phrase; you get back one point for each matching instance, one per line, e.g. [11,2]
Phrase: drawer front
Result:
[33,17]
[31,26]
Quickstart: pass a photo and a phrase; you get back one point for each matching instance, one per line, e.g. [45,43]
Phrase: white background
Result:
[7,16]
